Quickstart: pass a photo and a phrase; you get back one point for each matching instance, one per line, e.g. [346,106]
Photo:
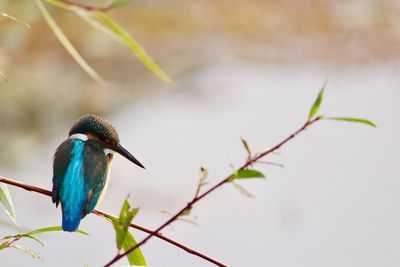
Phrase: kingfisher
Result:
[82,166]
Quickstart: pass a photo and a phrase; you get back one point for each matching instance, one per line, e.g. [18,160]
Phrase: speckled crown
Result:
[92,124]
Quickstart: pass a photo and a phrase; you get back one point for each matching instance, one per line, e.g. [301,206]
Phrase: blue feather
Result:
[72,190]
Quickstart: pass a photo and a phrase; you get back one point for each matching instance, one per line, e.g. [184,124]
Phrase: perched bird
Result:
[82,166]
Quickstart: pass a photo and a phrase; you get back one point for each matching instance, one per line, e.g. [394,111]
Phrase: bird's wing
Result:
[62,158]
[94,174]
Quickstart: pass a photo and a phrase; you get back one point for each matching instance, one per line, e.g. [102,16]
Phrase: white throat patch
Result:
[108,151]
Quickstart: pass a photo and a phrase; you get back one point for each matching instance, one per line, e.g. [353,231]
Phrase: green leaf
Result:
[247,174]
[66,43]
[4,245]
[52,229]
[5,198]
[135,257]
[186,212]
[317,103]
[118,3]
[30,251]
[125,217]
[246,145]
[364,121]
[104,23]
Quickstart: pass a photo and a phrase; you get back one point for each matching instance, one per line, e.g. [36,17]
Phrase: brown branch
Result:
[105,214]
[190,204]
[87,7]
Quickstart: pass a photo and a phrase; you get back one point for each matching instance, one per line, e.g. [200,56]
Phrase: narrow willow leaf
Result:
[30,251]
[318,101]
[4,245]
[60,4]
[33,238]
[364,121]
[125,218]
[118,3]
[135,257]
[247,174]
[67,44]
[185,220]
[271,163]
[5,198]
[246,145]
[8,16]
[52,229]
[13,220]
[104,23]
[242,190]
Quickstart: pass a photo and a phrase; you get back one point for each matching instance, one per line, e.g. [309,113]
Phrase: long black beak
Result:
[121,150]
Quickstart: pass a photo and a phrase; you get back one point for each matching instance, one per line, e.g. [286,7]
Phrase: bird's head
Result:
[92,127]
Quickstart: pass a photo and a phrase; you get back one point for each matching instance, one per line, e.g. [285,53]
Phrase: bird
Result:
[82,166]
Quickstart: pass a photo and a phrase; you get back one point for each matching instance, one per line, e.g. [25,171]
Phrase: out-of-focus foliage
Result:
[6,200]
[12,241]
[46,88]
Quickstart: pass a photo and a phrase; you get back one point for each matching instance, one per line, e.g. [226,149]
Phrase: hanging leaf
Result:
[363,121]
[125,218]
[66,43]
[4,245]
[246,145]
[271,163]
[118,3]
[248,174]
[242,190]
[52,229]
[30,251]
[33,238]
[5,198]
[318,101]
[104,23]
[135,257]
[20,236]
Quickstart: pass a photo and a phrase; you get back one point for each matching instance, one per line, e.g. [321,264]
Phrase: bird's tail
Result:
[71,220]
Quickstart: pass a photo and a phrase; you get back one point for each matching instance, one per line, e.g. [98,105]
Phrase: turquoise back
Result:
[79,175]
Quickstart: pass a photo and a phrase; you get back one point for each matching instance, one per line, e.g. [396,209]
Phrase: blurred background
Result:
[250,68]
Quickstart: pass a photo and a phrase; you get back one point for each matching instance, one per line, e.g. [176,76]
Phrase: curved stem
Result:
[189,205]
[104,214]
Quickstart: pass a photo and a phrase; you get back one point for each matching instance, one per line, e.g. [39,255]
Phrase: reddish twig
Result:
[105,214]
[197,197]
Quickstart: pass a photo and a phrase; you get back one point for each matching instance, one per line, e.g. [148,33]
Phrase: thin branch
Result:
[190,204]
[104,214]
[87,7]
